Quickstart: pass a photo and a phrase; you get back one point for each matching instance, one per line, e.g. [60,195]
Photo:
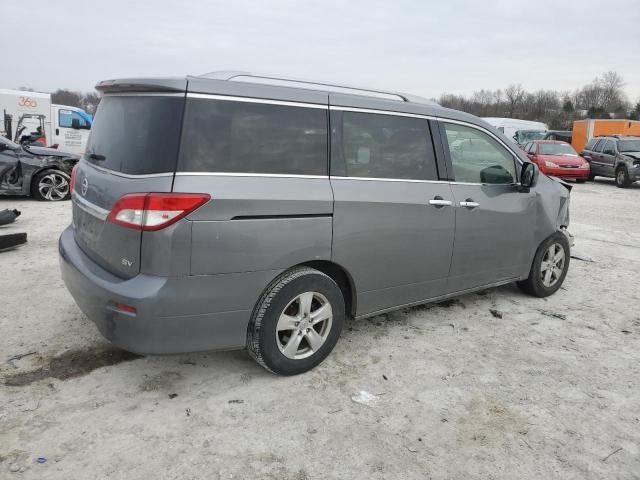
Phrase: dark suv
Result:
[614,156]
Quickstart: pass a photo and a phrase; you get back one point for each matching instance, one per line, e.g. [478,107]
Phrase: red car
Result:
[558,159]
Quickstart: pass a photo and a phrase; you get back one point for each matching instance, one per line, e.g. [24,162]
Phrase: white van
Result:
[519,131]
[30,116]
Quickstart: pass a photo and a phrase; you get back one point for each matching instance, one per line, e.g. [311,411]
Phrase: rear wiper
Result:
[97,157]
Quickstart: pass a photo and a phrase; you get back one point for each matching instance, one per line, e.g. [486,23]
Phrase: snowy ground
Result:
[539,389]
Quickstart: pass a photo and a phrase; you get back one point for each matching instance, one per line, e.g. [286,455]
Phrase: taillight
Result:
[72,182]
[154,211]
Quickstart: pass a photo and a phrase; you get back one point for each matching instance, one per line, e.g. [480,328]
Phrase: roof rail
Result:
[271,80]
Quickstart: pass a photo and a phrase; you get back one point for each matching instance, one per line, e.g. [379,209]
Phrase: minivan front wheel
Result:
[549,268]
[296,322]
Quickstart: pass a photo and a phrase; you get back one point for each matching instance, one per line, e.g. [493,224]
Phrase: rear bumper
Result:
[173,314]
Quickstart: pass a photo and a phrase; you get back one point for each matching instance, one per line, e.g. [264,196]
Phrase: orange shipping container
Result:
[584,130]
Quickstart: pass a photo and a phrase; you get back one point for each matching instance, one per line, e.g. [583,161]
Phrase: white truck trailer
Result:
[30,116]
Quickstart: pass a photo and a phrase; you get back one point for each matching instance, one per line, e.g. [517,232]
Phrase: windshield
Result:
[136,134]
[524,136]
[556,149]
[629,146]
[9,143]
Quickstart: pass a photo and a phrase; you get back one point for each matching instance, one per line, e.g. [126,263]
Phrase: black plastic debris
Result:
[8,216]
[12,240]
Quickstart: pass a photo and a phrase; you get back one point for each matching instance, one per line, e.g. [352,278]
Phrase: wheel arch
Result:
[342,277]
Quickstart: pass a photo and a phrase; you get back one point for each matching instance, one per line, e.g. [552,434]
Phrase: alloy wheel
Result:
[552,265]
[53,186]
[304,325]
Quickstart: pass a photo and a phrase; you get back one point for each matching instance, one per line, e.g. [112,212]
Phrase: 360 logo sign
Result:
[27,102]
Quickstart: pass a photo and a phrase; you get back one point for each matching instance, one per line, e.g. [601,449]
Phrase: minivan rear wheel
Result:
[549,268]
[297,322]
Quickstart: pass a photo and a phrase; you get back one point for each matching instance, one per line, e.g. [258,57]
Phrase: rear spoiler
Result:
[164,84]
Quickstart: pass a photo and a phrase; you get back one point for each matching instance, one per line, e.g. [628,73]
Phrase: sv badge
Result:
[127,263]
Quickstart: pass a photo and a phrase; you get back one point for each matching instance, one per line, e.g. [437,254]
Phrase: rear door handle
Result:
[469,204]
[440,202]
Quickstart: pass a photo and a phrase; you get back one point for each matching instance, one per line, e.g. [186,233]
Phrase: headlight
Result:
[551,164]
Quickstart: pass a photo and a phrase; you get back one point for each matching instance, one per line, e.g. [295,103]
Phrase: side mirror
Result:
[3,147]
[529,175]
[75,124]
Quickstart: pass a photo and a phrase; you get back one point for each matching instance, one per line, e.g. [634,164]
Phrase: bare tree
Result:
[90,101]
[514,94]
[601,97]
[613,95]
[67,97]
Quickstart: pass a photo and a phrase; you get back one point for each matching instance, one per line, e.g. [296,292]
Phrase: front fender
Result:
[553,199]
[31,166]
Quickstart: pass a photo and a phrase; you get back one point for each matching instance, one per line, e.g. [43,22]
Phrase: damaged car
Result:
[230,211]
[43,173]
[614,156]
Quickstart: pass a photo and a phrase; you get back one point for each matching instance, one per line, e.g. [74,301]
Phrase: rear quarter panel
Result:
[255,223]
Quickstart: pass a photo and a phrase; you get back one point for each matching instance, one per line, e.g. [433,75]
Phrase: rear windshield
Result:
[136,134]
[556,149]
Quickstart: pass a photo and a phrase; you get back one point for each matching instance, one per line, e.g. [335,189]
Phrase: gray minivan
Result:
[232,211]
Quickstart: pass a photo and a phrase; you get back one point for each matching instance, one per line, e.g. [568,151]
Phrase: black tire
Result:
[59,182]
[622,177]
[580,180]
[534,284]
[265,343]
[591,177]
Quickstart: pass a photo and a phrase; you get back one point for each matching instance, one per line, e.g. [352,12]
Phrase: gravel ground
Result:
[540,388]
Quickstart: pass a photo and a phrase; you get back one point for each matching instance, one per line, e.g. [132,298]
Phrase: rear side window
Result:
[136,134]
[241,137]
[591,143]
[382,146]
[599,145]
[477,157]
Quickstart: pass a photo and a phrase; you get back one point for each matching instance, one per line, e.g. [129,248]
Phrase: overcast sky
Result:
[421,47]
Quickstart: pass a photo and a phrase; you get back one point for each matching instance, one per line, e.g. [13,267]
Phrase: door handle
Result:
[440,202]
[57,131]
[469,204]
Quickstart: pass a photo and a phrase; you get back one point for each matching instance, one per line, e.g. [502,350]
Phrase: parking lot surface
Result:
[490,385]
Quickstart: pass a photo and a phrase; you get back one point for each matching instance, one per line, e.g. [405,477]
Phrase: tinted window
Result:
[137,134]
[477,157]
[609,148]
[65,118]
[238,137]
[591,143]
[385,146]
[599,145]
